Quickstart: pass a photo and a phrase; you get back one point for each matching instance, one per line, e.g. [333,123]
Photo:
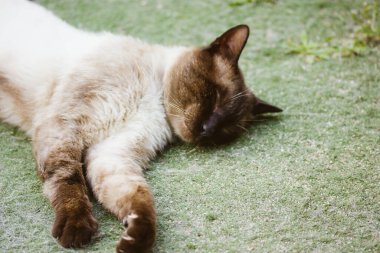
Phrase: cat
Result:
[99,106]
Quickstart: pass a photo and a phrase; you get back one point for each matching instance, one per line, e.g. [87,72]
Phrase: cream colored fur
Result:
[108,103]
[112,85]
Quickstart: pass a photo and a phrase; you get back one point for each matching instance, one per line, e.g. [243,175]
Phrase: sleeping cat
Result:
[99,106]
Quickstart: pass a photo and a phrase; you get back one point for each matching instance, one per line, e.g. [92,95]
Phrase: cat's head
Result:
[206,99]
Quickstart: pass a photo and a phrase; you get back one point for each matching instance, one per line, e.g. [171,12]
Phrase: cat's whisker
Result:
[173,104]
[176,107]
[241,127]
[234,96]
[241,94]
[192,150]
[253,120]
[119,93]
[179,116]
[174,115]
[237,96]
[175,101]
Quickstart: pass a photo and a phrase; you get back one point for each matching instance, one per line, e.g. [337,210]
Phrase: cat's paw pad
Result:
[73,230]
[138,236]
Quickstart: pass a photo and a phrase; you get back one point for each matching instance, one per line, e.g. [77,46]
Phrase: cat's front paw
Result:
[74,229]
[139,234]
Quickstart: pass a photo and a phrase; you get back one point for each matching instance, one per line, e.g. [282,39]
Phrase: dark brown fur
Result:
[208,92]
[205,89]
[74,224]
[59,165]
[143,228]
[215,103]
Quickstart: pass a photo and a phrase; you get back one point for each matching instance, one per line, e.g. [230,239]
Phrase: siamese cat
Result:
[99,106]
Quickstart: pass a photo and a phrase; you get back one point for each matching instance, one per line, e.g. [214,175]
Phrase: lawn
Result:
[306,180]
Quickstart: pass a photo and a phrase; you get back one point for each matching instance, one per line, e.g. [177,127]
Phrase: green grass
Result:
[307,180]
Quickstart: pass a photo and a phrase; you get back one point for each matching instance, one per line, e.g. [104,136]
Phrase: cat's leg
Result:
[58,151]
[115,172]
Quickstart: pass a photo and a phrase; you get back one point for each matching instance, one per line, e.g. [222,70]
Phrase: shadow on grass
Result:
[261,125]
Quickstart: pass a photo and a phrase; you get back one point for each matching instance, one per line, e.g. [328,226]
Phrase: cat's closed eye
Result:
[105,105]
[221,106]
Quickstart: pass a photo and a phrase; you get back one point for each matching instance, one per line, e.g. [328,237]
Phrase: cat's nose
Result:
[207,130]
[209,126]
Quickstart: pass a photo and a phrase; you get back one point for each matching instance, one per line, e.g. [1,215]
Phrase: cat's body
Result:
[107,104]
[40,53]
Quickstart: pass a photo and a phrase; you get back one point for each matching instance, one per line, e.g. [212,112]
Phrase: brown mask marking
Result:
[206,98]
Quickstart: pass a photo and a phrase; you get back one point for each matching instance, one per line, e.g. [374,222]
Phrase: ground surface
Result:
[306,180]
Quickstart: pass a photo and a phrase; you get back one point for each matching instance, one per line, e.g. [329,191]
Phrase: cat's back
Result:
[28,28]
[35,42]
[37,49]
[48,66]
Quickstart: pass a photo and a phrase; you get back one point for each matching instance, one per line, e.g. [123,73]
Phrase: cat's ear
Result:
[261,106]
[231,43]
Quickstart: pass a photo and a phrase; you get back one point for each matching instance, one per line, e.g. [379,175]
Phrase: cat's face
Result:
[206,99]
